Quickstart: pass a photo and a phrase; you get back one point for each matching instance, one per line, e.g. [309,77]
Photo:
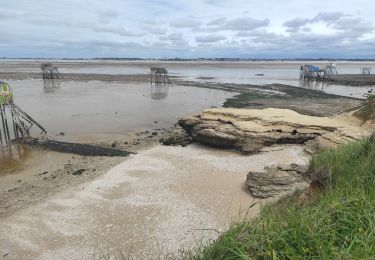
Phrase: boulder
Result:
[277,181]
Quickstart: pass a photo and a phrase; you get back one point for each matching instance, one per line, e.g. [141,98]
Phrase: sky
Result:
[187,28]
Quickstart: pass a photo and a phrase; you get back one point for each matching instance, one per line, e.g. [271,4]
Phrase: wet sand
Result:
[154,204]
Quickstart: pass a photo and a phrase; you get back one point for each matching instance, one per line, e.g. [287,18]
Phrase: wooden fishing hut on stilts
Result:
[15,123]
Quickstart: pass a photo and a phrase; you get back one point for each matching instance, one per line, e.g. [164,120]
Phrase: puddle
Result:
[12,158]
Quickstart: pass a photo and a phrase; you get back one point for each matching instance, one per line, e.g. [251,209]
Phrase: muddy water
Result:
[84,109]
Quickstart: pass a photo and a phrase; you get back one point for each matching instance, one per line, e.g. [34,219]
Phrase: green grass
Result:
[339,224]
[367,112]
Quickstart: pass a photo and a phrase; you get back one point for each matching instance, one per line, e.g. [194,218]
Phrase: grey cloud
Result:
[115,29]
[355,25]
[209,38]
[328,17]
[217,21]
[246,24]
[337,20]
[108,13]
[176,39]
[297,22]
[237,24]
[187,22]
[155,29]
[11,14]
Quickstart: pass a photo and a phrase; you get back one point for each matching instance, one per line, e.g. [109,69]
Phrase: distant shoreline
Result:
[194,59]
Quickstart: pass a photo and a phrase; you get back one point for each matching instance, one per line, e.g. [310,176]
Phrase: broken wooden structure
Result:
[49,71]
[314,72]
[366,70]
[15,123]
[159,76]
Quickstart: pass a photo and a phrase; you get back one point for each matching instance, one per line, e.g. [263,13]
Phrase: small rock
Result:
[155,122]
[169,141]
[62,133]
[114,145]
[78,172]
[109,226]
[19,181]
[154,133]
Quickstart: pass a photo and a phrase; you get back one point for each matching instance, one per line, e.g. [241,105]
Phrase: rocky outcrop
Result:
[277,181]
[249,130]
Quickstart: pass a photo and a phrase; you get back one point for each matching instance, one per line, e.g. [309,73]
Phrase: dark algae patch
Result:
[338,224]
[76,148]
[304,101]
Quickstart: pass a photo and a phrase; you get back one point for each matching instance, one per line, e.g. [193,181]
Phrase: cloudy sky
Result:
[188,28]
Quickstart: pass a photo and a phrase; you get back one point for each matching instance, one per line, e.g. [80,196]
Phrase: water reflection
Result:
[341,90]
[50,85]
[159,91]
[12,157]
[313,84]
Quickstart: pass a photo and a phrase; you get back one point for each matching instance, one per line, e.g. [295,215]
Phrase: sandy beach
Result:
[156,203]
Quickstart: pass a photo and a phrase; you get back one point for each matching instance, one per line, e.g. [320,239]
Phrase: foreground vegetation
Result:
[338,224]
[366,112]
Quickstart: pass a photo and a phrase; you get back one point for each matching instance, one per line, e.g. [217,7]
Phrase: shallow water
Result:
[95,111]
[12,158]
[281,72]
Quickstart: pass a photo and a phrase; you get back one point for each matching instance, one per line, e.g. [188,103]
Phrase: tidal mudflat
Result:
[162,199]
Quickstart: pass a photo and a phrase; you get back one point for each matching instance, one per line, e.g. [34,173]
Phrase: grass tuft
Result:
[367,112]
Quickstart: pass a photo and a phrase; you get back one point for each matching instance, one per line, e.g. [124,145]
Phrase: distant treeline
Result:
[195,59]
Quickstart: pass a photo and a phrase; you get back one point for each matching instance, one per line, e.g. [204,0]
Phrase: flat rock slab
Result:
[251,129]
